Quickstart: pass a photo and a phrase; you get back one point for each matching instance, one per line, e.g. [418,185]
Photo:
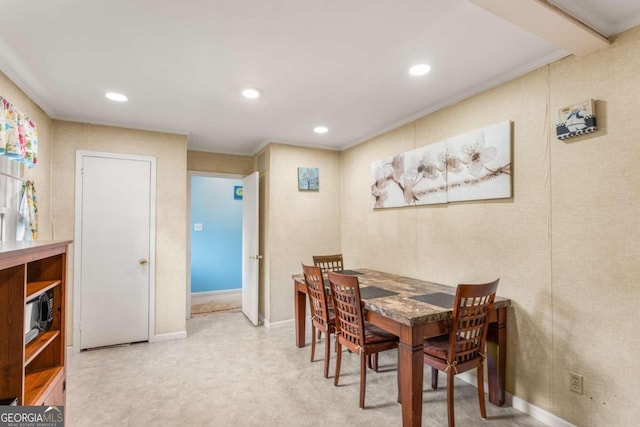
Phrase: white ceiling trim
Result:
[19,74]
[296,144]
[550,22]
[585,15]
[607,28]
[117,125]
[627,24]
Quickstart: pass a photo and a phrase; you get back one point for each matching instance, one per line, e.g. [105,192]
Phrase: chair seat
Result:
[331,325]
[332,319]
[374,334]
[437,347]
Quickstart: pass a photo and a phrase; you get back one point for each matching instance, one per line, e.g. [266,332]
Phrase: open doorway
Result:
[215,274]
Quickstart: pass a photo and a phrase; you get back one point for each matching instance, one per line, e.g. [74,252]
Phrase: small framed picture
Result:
[308,179]
[577,119]
[237,192]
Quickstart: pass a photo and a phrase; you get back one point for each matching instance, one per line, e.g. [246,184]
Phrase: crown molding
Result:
[550,22]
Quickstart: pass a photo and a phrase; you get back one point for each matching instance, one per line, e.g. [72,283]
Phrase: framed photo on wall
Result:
[576,119]
[308,179]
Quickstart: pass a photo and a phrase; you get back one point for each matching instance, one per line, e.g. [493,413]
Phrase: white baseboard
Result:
[278,325]
[169,337]
[156,338]
[521,405]
[539,414]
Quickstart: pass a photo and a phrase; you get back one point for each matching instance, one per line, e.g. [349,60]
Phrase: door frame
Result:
[191,173]
[251,261]
[77,253]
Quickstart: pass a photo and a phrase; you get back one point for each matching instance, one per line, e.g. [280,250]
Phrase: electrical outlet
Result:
[575,382]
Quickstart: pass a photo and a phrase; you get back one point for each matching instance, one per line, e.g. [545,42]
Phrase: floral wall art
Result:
[388,183]
[479,164]
[425,174]
[472,166]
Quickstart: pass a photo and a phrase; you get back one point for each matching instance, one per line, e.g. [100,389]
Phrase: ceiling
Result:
[341,64]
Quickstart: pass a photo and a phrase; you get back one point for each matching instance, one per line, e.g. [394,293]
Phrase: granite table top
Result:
[408,301]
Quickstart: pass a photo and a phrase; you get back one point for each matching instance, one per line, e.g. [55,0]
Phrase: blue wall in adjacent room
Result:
[216,251]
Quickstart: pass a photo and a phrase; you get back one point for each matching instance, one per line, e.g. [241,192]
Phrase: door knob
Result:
[143,261]
[256,257]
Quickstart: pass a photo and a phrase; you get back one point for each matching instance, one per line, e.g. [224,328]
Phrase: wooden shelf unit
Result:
[35,372]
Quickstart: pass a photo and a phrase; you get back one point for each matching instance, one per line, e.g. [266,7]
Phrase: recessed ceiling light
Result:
[117,97]
[251,93]
[419,69]
[321,129]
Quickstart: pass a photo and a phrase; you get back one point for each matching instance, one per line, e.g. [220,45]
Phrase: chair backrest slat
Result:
[328,262]
[469,325]
[317,294]
[345,292]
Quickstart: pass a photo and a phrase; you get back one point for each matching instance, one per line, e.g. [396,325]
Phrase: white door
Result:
[250,255]
[115,249]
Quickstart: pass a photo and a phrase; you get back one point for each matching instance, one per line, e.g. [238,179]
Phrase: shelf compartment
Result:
[38,384]
[35,347]
[35,289]
[35,371]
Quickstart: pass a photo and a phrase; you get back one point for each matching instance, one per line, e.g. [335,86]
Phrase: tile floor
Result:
[229,373]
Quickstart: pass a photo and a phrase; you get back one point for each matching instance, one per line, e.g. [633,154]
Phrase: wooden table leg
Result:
[411,368]
[497,357]
[300,307]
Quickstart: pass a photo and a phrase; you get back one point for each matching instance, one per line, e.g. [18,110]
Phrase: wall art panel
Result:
[425,174]
[387,188]
[472,166]
[479,164]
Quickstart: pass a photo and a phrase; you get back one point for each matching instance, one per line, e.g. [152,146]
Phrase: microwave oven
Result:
[38,315]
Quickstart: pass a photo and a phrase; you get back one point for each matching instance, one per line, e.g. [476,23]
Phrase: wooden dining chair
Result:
[328,262]
[322,317]
[352,331]
[463,348]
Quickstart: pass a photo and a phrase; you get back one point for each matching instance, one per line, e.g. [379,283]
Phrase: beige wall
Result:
[566,246]
[41,173]
[595,201]
[171,219]
[202,161]
[300,223]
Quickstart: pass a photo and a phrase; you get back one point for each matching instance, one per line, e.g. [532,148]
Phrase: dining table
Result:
[413,310]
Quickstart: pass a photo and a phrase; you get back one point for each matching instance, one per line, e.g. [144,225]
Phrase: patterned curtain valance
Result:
[18,135]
